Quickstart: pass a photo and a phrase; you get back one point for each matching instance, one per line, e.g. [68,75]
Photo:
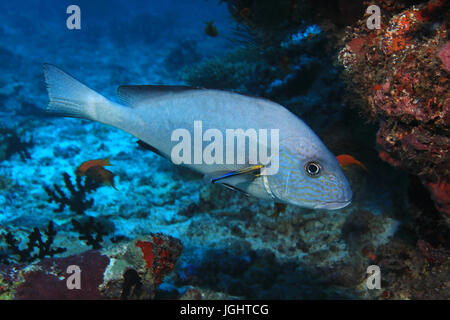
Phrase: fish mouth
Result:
[333,205]
[339,203]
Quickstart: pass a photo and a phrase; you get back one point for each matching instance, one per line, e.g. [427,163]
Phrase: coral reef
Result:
[90,229]
[235,71]
[285,57]
[269,21]
[131,270]
[293,71]
[399,78]
[137,268]
[413,272]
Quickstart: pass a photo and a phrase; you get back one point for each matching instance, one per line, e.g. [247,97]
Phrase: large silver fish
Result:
[308,175]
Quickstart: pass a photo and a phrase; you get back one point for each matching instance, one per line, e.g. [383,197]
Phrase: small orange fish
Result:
[100,174]
[346,160]
[81,170]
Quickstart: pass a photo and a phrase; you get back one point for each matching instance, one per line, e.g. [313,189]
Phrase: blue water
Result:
[231,244]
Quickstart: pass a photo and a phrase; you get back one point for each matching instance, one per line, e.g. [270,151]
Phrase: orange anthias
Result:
[94,170]
[81,170]
[346,160]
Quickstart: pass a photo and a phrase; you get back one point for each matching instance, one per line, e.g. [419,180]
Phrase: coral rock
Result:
[138,267]
[440,193]
[444,55]
[398,75]
[131,270]
[48,278]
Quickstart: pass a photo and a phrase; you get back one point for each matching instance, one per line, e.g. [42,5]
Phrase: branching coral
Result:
[91,231]
[35,242]
[11,142]
[76,201]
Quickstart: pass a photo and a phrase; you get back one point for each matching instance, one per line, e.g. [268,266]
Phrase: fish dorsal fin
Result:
[135,96]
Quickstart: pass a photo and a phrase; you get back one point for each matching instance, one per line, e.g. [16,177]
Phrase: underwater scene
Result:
[224,149]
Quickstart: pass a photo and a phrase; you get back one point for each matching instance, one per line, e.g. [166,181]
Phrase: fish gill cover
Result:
[378,98]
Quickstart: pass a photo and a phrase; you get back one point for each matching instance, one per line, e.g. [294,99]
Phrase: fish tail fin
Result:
[361,165]
[107,162]
[69,97]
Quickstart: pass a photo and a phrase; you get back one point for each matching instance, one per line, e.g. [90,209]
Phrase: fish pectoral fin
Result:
[235,189]
[217,178]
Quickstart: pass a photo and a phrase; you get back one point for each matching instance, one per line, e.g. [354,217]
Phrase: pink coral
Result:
[441,195]
[444,55]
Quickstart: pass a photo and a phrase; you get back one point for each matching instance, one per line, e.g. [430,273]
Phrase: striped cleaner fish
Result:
[308,174]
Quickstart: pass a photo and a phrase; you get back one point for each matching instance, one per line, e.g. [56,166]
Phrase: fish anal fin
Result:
[235,189]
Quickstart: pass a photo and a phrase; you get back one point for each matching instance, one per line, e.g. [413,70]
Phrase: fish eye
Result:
[313,168]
